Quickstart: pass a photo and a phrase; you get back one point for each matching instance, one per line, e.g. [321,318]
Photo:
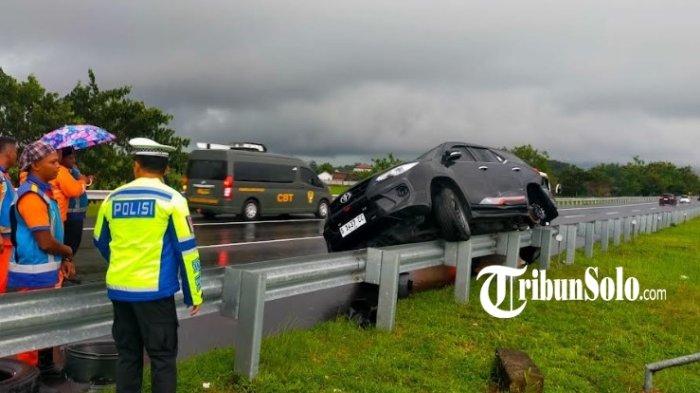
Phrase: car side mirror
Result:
[557,189]
[452,156]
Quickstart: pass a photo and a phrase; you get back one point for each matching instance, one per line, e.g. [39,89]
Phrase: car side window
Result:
[484,155]
[466,154]
[309,177]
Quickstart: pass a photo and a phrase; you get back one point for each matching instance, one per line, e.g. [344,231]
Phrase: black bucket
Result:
[94,363]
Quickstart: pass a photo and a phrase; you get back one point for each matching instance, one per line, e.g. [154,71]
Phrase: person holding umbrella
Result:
[69,187]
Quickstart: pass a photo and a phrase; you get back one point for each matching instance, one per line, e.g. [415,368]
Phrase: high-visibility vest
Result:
[31,266]
[145,231]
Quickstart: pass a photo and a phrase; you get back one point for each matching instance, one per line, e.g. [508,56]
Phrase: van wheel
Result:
[251,211]
[322,210]
[451,216]
[16,376]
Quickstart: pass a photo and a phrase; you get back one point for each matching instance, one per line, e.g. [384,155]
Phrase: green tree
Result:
[381,164]
[126,118]
[325,167]
[27,110]
[533,157]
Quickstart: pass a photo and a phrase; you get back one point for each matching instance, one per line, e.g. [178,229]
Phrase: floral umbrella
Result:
[77,137]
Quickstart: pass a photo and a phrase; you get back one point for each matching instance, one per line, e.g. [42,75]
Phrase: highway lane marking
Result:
[205,224]
[611,213]
[261,242]
[575,216]
[606,207]
[635,210]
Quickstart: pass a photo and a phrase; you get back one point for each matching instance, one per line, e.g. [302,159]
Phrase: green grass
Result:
[441,346]
[92,209]
[337,190]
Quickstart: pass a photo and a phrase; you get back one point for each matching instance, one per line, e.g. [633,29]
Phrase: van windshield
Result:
[206,169]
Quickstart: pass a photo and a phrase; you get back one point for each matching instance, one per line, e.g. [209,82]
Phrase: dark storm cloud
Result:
[587,82]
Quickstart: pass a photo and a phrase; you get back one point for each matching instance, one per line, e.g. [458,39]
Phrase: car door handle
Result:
[516,169]
[483,167]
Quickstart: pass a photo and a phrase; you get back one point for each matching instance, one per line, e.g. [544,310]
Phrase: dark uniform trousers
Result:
[151,325]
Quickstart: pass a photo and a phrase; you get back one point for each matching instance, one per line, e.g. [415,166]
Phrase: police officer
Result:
[145,232]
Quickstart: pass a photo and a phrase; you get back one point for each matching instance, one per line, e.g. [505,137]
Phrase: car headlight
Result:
[396,171]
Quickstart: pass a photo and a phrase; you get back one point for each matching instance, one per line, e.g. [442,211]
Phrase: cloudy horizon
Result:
[343,82]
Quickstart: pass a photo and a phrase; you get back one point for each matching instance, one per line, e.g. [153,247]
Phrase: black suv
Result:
[452,191]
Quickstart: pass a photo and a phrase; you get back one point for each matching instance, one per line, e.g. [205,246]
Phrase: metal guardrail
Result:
[651,368]
[594,201]
[46,318]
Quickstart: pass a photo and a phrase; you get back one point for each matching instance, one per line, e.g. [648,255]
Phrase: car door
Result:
[313,188]
[465,171]
[502,177]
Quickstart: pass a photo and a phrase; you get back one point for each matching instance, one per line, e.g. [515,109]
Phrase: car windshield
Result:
[428,154]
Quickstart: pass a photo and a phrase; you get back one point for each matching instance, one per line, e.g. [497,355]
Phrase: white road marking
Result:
[206,224]
[575,216]
[611,213]
[635,210]
[260,242]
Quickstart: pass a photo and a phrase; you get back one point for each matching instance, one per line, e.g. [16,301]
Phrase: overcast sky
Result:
[346,80]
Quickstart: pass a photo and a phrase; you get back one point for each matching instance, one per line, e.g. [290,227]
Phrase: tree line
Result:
[28,111]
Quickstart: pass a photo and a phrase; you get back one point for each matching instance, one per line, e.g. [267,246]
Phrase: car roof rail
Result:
[246,146]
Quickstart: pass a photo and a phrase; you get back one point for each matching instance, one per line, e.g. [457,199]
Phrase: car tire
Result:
[451,215]
[209,215]
[251,210]
[322,209]
[18,377]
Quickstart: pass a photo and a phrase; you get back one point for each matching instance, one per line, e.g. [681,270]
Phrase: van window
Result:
[206,169]
[483,155]
[263,172]
[309,177]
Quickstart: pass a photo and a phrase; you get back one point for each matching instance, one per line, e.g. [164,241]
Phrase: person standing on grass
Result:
[8,198]
[144,230]
[41,259]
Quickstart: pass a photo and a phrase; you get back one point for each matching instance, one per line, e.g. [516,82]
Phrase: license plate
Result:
[203,191]
[351,226]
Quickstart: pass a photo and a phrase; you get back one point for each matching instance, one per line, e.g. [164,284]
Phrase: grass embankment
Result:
[441,346]
[337,190]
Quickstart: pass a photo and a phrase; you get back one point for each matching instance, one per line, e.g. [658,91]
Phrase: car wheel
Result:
[209,215]
[451,216]
[251,210]
[537,214]
[322,210]
[17,377]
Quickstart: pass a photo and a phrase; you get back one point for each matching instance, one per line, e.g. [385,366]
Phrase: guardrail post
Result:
[546,239]
[248,335]
[589,239]
[627,229]
[388,291]
[642,224]
[513,251]
[649,223]
[617,231]
[464,271]
[604,235]
[571,244]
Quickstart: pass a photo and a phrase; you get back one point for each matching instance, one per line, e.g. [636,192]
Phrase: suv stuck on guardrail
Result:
[450,191]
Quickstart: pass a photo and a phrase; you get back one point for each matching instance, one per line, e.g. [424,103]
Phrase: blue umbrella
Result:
[77,137]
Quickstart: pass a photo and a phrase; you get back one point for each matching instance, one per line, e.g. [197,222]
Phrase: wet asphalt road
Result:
[227,241]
